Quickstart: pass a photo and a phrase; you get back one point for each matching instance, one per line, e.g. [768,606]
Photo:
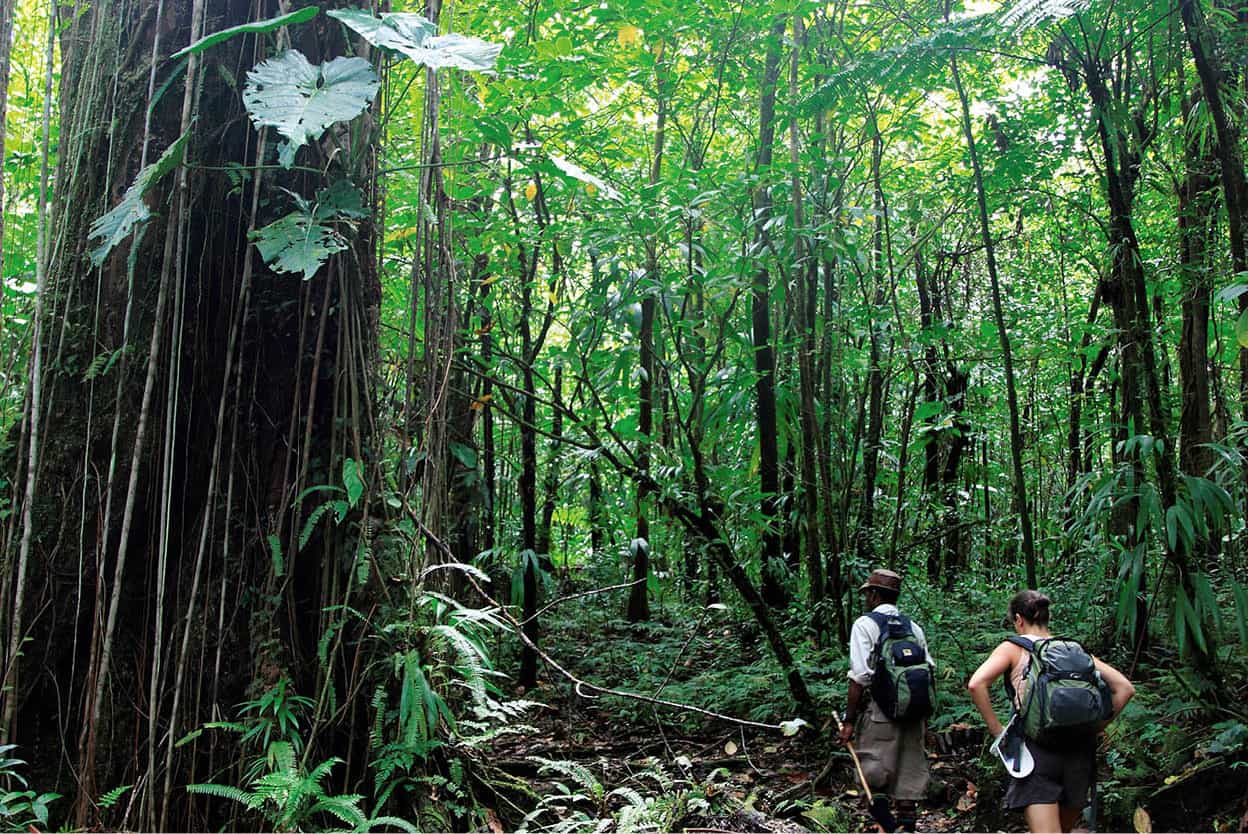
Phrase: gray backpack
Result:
[1065,698]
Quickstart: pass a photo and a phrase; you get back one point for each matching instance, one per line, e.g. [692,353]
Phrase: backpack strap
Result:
[1028,645]
[881,621]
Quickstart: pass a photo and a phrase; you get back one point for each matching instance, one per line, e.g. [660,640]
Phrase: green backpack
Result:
[1066,697]
[902,684]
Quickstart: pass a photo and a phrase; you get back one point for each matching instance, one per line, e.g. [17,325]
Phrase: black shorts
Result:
[1060,777]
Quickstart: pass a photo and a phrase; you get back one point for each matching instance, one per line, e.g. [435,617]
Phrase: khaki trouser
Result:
[893,757]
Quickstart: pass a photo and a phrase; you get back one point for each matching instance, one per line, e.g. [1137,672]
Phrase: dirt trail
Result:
[762,781]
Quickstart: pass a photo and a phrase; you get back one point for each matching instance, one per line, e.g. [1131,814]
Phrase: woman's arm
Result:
[997,664]
[1121,690]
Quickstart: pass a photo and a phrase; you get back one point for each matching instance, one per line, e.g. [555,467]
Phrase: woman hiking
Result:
[1061,698]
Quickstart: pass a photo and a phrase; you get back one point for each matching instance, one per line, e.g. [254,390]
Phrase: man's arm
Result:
[853,703]
[861,645]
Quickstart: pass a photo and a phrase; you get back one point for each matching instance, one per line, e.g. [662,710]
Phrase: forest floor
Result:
[594,758]
[751,780]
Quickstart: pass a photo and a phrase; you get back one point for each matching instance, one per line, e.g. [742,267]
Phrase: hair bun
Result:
[1042,601]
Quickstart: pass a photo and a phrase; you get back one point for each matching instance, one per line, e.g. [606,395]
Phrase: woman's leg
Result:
[1043,819]
[1069,816]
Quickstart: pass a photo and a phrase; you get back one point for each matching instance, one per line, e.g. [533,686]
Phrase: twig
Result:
[746,751]
[579,595]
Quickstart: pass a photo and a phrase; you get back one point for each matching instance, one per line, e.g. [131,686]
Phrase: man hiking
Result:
[891,694]
[1061,697]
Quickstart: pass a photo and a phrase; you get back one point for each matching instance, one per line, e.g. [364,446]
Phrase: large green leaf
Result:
[117,224]
[417,38]
[256,27]
[300,100]
[1241,329]
[304,239]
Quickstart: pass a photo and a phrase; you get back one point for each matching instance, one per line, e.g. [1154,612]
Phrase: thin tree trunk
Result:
[806,268]
[6,54]
[16,634]
[773,590]
[528,495]
[639,593]
[551,485]
[1016,439]
[1230,155]
[875,373]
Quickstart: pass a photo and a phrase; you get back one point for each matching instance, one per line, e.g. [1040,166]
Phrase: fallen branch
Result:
[581,686]
[579,595]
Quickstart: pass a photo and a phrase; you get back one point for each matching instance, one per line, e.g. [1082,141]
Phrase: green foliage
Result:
[117,224]
[255,28]
[300,100]
[292,799]
[112,797]
[21,809]
[304,239]
[274,716]
[651,799]
[417,38]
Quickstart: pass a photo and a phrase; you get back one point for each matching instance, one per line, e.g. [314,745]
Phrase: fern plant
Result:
[292,799]
[436,707]
[580,802]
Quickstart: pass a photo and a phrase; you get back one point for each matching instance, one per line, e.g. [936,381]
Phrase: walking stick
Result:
[883,819]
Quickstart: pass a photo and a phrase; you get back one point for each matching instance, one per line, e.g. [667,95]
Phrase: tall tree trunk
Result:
[639,593]
[550,489]
[1007,360]
[1200,39]
[489,464]
[806,268]
[875,371]
[774,591]
[1195,219]
[6,55]
[143,572]
[529,564]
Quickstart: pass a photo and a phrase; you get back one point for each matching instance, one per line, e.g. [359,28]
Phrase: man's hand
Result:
[847,732]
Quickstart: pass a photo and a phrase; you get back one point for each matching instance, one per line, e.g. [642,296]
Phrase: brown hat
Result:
[881,578]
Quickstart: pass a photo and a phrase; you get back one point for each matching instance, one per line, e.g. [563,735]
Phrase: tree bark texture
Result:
[294,339]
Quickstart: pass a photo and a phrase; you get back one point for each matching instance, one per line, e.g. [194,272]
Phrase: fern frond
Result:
[223,791]
[915,65]
[281,755]
[1027,14]
[318,773]
[394,822]
[659,775]
[472,660]
[345,808]
[109,799]
[573,770]
[632,796]
[378,704]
